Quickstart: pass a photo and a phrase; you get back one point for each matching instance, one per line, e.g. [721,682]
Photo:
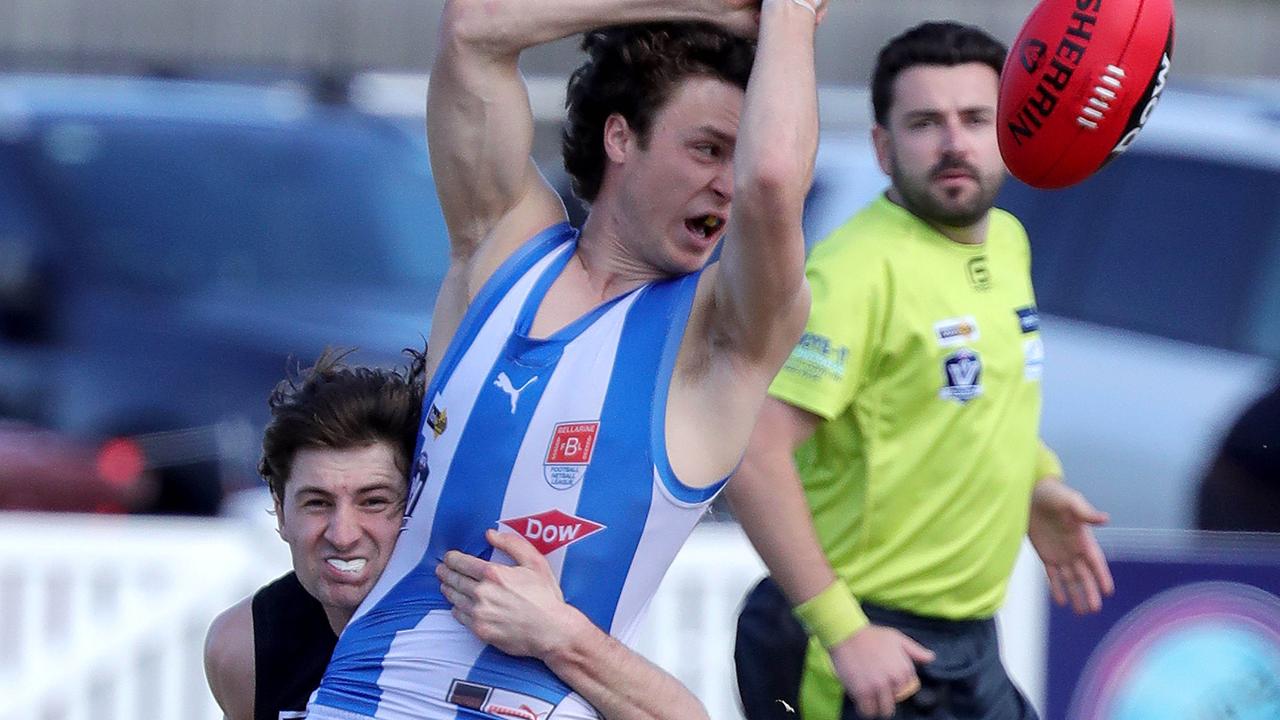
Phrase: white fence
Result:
[104,618]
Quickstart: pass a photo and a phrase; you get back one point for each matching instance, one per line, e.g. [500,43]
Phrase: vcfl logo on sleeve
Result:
[551,530]
[569,453]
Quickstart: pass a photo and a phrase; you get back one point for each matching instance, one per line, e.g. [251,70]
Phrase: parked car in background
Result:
[1158,281]
[45,471]
[169,247]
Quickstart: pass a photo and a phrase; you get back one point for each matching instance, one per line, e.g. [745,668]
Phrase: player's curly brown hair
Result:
[333,405]
[632,70]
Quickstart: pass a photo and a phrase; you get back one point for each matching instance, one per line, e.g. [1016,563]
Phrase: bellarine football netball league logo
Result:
[569,453]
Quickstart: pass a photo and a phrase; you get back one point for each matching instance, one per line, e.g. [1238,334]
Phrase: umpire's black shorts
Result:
[965,682]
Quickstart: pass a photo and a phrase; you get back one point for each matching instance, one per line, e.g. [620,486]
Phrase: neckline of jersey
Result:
[928,231]
[533,302]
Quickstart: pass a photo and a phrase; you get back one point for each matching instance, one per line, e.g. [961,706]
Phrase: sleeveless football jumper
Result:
[559,439]
[292,642]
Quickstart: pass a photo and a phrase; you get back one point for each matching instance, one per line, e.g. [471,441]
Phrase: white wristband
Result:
[810,5]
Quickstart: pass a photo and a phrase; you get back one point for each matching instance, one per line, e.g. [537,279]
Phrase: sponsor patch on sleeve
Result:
[817,358]
[1033,354]
[1028,319]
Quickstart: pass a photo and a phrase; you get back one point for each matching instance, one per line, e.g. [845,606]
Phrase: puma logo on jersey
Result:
[504,384]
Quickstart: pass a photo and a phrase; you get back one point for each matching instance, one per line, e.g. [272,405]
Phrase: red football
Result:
[1080,80]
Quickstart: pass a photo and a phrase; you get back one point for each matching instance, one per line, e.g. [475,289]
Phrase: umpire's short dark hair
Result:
[332,405]
[930,43]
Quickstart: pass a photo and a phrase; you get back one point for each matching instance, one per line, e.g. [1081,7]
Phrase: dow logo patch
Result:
[962,373]
[551,530]
[569,453]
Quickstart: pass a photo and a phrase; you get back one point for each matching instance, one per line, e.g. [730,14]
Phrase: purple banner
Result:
[1192,633]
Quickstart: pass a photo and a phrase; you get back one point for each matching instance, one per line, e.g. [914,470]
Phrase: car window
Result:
[1170,245]
[170,205]
[18,219]
[1263,325]
[23,241]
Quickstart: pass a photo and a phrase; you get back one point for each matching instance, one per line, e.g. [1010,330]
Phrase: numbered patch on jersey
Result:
[962,375]
[498,702]
[569,453]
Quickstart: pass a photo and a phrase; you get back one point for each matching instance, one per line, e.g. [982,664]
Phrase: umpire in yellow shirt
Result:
[909,414]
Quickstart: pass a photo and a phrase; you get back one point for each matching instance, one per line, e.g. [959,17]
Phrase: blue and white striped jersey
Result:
[560,439]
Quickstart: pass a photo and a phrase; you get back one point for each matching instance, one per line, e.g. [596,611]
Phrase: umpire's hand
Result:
[877,666]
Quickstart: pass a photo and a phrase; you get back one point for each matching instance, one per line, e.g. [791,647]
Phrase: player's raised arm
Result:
[479,121]
[760,289]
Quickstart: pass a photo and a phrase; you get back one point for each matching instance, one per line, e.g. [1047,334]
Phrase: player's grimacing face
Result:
[940,146]
[679,187]
[340,515]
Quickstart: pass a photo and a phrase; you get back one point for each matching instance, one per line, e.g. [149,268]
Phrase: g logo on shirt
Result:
[979,273]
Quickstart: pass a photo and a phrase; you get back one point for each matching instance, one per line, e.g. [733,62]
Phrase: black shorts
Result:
[966,682]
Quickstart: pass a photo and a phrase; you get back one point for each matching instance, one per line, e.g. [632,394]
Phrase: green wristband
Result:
[832,615]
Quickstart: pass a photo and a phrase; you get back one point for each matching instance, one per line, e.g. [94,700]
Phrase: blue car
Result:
[169,248]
